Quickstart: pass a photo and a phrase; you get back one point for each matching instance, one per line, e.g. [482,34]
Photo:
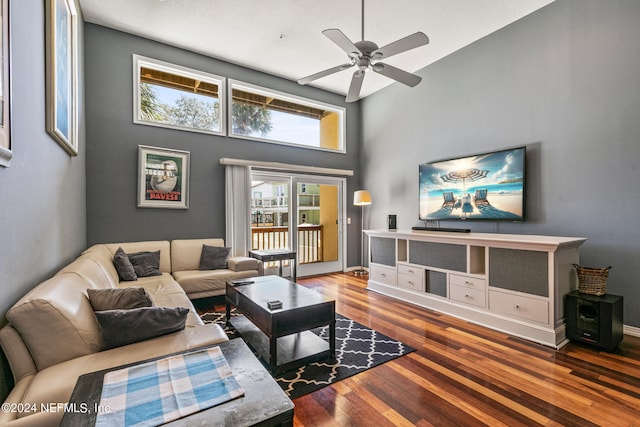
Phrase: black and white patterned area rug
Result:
[358,348]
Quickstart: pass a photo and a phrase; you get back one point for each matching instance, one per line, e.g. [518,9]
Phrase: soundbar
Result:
[453,230]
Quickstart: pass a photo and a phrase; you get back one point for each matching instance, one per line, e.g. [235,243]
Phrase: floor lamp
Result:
[361,198]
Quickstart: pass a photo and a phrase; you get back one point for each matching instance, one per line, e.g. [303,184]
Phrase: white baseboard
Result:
[350,269]
[631,330]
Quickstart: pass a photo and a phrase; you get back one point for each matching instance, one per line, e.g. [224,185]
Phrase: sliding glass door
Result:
[303,213]
[270,212]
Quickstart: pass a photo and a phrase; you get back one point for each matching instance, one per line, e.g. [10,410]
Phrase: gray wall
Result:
[563,81]
[113,139]
[42,193]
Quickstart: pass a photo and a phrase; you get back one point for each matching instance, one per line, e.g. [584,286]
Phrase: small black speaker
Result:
[594,319]
[588,321]
[391,222]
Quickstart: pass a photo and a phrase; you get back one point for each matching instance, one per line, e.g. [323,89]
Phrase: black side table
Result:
[266,255]
[592,319]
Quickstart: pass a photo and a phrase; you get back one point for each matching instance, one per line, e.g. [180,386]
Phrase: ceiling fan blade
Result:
[354,87]
[342,41]
[407,43]
[312,77]
[396,74]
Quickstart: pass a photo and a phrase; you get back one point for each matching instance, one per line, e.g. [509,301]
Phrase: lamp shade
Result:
[361,198]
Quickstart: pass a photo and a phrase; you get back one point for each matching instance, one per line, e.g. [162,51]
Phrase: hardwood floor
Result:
[464,374]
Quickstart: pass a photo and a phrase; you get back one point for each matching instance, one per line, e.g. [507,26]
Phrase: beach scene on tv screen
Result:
[487,186]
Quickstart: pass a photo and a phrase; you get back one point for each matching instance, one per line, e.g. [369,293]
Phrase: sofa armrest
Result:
[243,263]
[17,353]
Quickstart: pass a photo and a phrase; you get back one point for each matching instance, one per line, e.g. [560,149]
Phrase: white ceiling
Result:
[284,37]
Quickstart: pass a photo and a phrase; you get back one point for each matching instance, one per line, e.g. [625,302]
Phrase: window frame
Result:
[260,90]
[140,61]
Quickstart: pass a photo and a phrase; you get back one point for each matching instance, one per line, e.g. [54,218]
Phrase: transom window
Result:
[177,97]
[265,115]
[171,96]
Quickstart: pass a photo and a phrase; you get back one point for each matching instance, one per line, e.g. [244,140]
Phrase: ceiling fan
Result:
[366,55]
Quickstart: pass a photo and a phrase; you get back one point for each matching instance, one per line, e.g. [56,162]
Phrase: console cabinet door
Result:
[519,270]
[383,251]
[446,256]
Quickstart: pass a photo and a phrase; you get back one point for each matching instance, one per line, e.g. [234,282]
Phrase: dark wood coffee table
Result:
[264,402]
[282,337]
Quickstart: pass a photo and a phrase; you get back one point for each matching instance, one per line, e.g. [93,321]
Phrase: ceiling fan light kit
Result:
[366,55]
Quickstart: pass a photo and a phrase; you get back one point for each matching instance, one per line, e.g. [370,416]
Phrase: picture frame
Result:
[62,73]
[5,86]
[163,178]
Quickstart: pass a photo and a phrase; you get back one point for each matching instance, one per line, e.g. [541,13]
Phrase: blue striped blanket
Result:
[160,391]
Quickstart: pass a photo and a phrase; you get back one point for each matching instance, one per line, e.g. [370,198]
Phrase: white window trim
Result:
[237,84]
[142,61]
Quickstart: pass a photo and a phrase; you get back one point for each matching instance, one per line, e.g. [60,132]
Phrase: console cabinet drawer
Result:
[384,275]
[411,282]
[410,277]
[467,282]
[467,295]
[519,306]
[410,270]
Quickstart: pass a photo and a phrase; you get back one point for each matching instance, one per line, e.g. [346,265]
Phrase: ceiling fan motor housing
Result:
[366,49]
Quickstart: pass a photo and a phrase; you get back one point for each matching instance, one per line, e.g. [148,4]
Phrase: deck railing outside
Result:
[309,241]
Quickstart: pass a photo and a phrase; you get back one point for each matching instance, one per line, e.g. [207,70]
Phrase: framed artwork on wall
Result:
[62,73]
[163,178]
[5,88]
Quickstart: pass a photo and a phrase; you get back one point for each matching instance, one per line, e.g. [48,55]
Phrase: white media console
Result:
[508,282]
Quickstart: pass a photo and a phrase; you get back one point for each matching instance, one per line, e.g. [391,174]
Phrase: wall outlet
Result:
[348,221]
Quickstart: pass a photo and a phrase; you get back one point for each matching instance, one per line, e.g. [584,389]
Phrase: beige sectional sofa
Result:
[53,336]
[185,259]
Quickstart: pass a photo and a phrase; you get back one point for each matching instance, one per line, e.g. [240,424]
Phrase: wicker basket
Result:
[592,281]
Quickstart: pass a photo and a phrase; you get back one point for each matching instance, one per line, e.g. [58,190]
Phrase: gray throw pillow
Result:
[122,327]
[123,265]
[119,298]
[214,257]
[145,263]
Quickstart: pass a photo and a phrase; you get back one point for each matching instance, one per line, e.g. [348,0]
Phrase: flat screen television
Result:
[488,186]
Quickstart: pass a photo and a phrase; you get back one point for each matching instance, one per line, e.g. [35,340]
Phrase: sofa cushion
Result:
[166,292]
[163,246]
[214,257]
[56,321]
[146,263]
[123,265]
[185,254]
[119,298]
[211,282]
[122,327]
